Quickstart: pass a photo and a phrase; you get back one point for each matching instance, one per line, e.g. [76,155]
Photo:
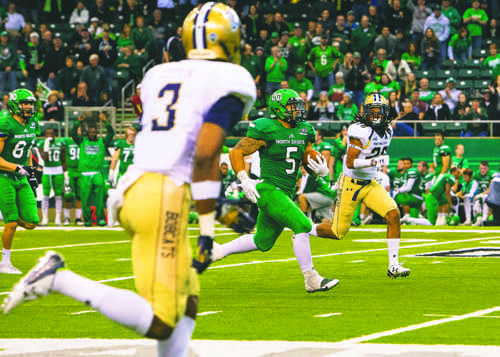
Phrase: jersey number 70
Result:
[170,109]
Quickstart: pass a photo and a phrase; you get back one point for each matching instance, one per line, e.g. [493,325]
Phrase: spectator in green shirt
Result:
[251,63]
[347,109]
[387,85]
[143,39]
[8,61]
[300,83]
[362,40]
[460,45]
[476,113]
[300,45]
[275,69]
[412,57]
[381,59]
[475,18]
[493,61]
[322,60]
[336,92]
[452,14]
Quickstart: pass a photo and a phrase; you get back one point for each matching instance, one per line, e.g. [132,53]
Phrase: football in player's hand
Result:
[313,155]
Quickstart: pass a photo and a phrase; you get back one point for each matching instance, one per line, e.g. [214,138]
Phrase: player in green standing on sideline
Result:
[409,195]
[17,203]
[124,152]
[71,176]
[483,177]
[438,201]
[282,143]
[441,155]
[53,153]
[91,182]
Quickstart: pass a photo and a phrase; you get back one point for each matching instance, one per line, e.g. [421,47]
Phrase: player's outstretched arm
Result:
[246,146]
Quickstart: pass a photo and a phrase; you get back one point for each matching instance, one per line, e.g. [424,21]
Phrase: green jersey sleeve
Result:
[444,150]
[261,129]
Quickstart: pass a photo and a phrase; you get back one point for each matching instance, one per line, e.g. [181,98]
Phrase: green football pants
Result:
[407,199]
[277,211]
[55,182]
[74,176]
[92,186]
[17,200]
[432,205]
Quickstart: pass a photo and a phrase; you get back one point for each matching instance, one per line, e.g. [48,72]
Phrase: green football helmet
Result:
[68,195]
[286,105]
[453,220]
[19,97]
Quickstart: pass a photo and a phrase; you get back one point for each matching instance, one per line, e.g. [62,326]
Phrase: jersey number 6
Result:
[170,120]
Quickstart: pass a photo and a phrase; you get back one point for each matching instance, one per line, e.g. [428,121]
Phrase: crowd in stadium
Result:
[439,56]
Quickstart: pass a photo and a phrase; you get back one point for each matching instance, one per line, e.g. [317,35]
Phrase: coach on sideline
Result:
[493,200]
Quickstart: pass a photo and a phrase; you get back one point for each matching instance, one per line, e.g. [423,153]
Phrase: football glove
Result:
[319,167]
[249,186]
[380,161]
[25,170]
[33,182]
[205,245]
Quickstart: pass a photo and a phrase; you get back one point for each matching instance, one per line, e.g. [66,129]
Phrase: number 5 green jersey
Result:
[281,158]
[19,139]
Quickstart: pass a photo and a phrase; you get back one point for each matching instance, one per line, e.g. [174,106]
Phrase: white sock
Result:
[441,214]
[468,209]
[393,248]
[45,207]
[5,255]
[302,251]
[66,213]
[78,213]
[58,206]
[486,211]
[362,216]
[242,244]
[421,221]
[314,231]
[178,343]
[123,306]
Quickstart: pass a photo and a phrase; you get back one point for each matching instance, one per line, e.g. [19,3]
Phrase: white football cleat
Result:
[45,221]
[479,222]
[404,219]
[36,283]
[217,252]
[66,221]
[397,270]
[8,268]
[467,223]
[315,282]
[58,221]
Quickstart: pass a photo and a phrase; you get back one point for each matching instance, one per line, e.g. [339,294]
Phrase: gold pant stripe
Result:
[155,212]
[372,195]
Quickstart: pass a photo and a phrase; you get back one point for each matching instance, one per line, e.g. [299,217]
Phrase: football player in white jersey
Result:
[188,108]
[368,140]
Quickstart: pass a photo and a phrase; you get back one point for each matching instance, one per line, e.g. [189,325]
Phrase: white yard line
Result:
[378,335]
[82,312]
[70,245]
[481,317]
[350,252]
[357,261]
[207,313]
[328,315]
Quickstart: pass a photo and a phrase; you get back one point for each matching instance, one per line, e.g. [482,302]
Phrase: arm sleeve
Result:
[226,112]
[407,186]
[110,134]
[474,187]
[74,134]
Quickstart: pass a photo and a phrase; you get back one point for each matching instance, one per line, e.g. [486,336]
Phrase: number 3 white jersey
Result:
[175,98]
[372,146]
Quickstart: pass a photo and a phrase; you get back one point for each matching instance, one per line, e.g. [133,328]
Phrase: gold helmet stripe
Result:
[200,31]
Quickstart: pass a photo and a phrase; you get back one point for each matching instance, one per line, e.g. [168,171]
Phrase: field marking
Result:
[384,240]
[82,312]
[328,315]
[71,245]
[357,261]
[350,252]
[436,262]
[492,242]
[441,315]
[396,331]
[207,313]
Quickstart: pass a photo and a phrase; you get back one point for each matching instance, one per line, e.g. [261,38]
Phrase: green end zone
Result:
[261,296]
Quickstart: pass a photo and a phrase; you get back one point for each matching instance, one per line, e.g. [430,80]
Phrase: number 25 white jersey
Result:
[175,98]
[372,146]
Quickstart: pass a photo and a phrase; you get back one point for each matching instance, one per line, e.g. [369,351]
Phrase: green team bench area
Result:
[420,148]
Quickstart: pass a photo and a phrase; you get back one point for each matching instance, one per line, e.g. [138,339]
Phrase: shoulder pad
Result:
[360,132]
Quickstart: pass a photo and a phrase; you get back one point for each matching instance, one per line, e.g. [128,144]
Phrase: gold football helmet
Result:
[212,31]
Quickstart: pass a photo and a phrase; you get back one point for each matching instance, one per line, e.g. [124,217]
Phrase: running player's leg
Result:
[46,185]
[10,217]
[58,186]
[347,201]
[379,200]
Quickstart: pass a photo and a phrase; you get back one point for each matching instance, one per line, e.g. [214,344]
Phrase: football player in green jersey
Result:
[441,155]
[459,160]
[282,143]
[409,195]
[18,203]
[91,182]
[469,187]
[438,201]
[396,175]
[229,187]
[124,152]
[71,176]
[52,150]
[483,177]
[325,149]
[315,196]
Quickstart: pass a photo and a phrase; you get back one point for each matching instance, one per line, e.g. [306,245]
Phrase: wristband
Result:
[207,224]
[205,190]
[111,174]
[242,175]
[362,163]
[355,147]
